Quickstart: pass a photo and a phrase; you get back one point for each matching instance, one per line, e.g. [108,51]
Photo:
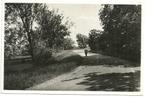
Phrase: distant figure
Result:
[86,50]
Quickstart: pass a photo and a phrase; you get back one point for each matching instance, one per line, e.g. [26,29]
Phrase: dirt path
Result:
[91,76]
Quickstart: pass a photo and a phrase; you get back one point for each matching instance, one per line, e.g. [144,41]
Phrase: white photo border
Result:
[71,2]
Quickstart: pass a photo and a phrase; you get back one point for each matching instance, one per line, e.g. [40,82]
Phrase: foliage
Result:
[51,28]
[32,26]
[122,31]
[15,43]
[43,56]
[94,37]
[68,43]
[24,14]
[82,40]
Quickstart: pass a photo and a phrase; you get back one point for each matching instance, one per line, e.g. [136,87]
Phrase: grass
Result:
[107,60]
[19,80]
[20,77]
[25,75]
[127,58]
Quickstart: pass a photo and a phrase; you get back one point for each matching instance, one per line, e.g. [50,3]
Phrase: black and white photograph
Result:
[72,47]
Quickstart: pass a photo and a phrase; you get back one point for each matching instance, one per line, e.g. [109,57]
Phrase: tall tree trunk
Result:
[30,44]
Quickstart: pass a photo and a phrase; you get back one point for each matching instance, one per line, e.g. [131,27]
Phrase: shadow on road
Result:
[109,81]
[112,81]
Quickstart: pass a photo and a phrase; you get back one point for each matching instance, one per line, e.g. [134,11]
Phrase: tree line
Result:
[31,28]
[121,35]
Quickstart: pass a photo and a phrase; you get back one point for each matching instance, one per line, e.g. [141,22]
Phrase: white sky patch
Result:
[84,17]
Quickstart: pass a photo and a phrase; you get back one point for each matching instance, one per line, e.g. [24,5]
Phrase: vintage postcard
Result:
[71,48]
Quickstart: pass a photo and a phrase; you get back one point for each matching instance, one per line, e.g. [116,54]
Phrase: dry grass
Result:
[17,78]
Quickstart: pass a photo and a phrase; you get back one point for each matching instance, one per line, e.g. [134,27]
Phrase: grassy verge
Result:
[21,76]
[19,80]
[114,60]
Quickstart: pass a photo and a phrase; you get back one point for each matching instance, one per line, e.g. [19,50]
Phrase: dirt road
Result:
[97,72]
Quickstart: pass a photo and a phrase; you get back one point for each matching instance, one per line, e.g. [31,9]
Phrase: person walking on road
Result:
[86,50]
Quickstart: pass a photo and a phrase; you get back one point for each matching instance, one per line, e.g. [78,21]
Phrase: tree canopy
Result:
[94,38]
[122,30]
[32,25]
[68,43]
[82,40]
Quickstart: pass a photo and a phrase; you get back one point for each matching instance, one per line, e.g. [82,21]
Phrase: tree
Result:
[51,27]
[82,40]
[15,42]
[38,26]
[122,30]
[25,14]
[68,43]
[94,37]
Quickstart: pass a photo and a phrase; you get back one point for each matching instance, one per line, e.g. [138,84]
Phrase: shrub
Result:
[43,56]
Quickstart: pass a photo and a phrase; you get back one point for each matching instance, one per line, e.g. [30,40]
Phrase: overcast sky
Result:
[85,17]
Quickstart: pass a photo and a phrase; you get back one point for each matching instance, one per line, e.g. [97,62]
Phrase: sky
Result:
[83,16]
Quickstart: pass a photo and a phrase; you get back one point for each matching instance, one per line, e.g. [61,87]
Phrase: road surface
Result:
[92,75]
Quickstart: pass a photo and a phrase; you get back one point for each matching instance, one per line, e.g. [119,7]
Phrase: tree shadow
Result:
[112,81]
[71,79]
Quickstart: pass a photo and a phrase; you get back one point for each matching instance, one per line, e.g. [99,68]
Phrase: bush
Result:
[50,56]
[43,56]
